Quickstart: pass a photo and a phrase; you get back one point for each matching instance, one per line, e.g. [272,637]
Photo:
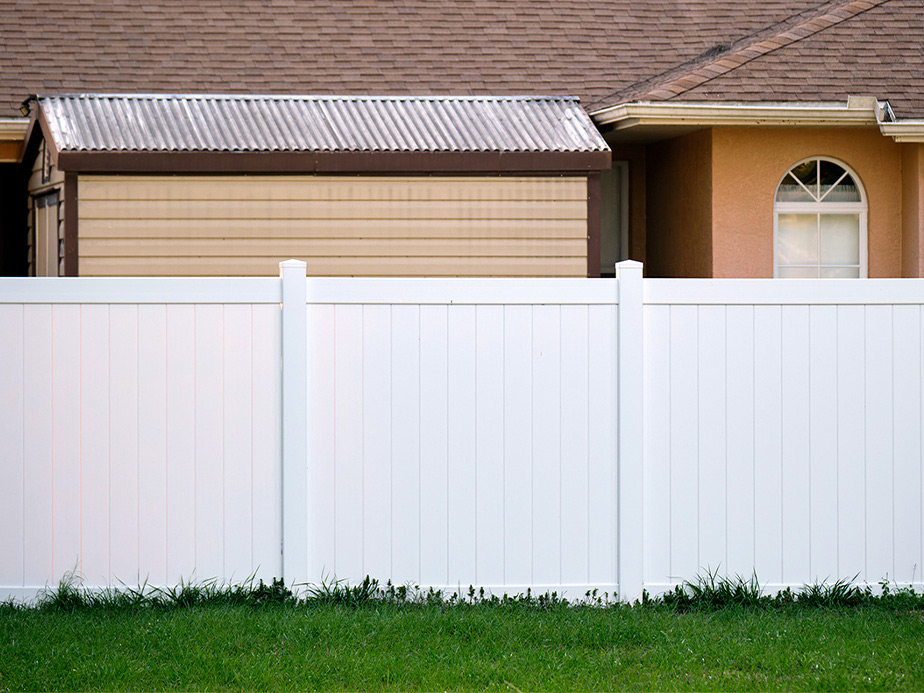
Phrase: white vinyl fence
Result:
[783,426]
[553,434]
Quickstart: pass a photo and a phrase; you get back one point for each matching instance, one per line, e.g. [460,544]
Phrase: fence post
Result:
[630,430]
[294,421]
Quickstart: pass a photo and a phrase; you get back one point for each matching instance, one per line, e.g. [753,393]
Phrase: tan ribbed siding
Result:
[369,226]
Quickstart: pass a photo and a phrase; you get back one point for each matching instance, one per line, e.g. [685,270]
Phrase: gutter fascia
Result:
[629,115]
[13,129]
[904,130]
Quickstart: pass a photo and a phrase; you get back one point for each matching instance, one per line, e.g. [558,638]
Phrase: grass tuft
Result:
[708,592]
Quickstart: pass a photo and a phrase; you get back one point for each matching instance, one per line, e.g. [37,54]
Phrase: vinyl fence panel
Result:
[131,440]
[439,415]
[783,429]
[618,434]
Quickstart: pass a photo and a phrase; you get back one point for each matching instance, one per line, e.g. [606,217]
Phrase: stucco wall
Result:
[747,164]
[912,210]
[679,206]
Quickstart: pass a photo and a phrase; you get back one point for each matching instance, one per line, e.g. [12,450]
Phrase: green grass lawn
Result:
[461,646]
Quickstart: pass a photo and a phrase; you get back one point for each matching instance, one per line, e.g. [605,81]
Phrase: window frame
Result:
[860,208]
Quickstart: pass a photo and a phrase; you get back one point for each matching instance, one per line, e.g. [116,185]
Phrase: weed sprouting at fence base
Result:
[710,592]
[707,592]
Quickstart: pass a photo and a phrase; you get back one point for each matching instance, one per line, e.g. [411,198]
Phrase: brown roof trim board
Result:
[70,225]
[334,162]
[694,74]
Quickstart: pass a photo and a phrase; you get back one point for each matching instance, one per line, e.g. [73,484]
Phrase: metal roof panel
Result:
[243,123]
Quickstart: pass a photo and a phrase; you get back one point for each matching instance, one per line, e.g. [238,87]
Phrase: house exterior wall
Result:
[372,226]
[679,207]
[912,210]
[747,164]
[635,155]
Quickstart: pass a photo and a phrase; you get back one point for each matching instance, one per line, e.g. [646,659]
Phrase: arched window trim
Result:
[861,208]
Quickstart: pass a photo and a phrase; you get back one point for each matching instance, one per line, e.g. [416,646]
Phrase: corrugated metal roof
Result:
[208,123]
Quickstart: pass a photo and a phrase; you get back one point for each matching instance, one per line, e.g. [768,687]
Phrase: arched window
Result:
[819,222]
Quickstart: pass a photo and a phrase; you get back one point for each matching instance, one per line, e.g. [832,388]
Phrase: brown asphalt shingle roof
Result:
[605,52]
[589,49]
[853,47]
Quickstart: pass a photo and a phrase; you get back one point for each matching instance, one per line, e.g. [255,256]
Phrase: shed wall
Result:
[373,226]
[53,232]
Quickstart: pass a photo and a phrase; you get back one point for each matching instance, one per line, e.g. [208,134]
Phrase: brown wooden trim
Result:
[70,225]
[30,145]
[46,133]
[593,225]
[333,162]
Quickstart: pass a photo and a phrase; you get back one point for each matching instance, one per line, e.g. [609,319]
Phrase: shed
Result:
[137,185]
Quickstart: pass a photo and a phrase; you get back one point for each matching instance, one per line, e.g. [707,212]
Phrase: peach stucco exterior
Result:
[913,210]
[710,198]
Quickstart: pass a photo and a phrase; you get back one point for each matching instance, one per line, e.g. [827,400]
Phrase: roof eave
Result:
[662,114]
[904,130]
[13,129]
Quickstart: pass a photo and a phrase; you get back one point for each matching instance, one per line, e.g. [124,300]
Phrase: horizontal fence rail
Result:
[564,434]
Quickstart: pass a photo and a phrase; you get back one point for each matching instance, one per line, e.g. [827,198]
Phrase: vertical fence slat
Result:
[66,443]
[546,462]
[575,376]
[181,475]
[768,540]
[518,438]
[155,455]
[740,427]
[489,410]
[601,506]
[684,433]
[322,459]
[210,406]
[879,453]
[712,421]
[434,455]
[95,489]
[796,444]
[37,444]
[12,459]
[294,343]
[123,398]
[376,418]
[237,443]
[657,522]
[823,396]
[906,481]
[405,443]
[267,443]
[348,443]
[851,444]
[462,446]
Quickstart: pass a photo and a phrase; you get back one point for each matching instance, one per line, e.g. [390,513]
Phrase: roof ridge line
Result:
[692,74]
